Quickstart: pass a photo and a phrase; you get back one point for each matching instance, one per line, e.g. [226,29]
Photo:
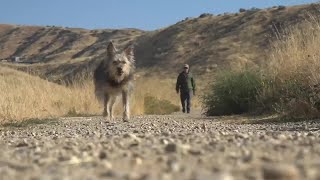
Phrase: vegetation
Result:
[154,105]
[24,96]
[233,93]
[290,84]
[294,70]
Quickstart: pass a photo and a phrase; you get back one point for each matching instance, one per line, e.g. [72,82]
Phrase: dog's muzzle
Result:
[120,71]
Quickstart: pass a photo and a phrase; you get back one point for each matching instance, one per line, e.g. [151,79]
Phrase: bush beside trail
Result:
[233,93]
[288,84]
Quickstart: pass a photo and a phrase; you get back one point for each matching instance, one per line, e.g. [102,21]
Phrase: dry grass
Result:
[296,54]
[289,83]
[23,96]
[294,70]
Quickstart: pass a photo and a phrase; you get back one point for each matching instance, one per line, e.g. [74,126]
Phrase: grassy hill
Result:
[58,44]
[211,41]
[208,42]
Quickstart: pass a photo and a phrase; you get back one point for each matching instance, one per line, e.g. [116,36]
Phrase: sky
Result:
[116,14]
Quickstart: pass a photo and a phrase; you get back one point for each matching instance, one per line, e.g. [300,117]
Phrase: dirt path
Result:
[159,147]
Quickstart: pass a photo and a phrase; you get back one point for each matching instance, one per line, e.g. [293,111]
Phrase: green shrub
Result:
[247,91]
[154,105]
[232,93]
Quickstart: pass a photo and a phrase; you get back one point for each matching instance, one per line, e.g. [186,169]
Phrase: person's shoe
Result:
[183,110]
[188,111]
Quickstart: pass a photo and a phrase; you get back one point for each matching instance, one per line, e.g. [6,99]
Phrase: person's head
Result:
[186,68]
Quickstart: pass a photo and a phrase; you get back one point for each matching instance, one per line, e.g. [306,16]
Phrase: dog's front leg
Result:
[112,101]
[126,108]
[106,111]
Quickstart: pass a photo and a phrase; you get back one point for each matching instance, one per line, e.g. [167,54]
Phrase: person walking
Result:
[187,87]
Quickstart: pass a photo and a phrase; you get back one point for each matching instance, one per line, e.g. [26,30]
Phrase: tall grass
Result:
[289,83]
[154,105]
[161,89]
[296,55]
[294,70]
[23,96]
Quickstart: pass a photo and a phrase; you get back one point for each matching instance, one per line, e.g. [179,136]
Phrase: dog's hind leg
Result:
[126,107]
[112,101]
[106,111]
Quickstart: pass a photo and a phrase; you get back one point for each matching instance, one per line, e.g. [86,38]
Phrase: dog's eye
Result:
[114,62]
[123,62]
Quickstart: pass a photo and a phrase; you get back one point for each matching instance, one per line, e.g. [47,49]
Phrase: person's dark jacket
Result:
[185,83]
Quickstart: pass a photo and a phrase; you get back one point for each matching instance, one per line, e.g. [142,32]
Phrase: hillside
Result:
[58,44]
[211,41]
[207,42]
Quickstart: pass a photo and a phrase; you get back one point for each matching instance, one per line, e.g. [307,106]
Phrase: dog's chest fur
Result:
[109,84]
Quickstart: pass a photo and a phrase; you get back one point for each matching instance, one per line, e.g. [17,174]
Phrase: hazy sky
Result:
[142,14]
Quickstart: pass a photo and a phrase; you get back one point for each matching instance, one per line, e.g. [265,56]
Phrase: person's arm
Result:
[193,85]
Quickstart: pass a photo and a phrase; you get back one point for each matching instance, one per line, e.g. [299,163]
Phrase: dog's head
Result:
[120,64]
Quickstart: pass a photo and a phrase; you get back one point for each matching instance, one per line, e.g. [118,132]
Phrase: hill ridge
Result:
[206,42]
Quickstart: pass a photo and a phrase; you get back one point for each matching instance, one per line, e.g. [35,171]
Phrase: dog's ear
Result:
[111,49]
[129,52]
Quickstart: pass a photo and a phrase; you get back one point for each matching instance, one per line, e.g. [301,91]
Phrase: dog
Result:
[114,77]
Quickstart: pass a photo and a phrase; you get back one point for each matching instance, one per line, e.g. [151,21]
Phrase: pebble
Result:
[280,172]
[173,165]
[195,152]
[103,155]
[171,148]
[22,143]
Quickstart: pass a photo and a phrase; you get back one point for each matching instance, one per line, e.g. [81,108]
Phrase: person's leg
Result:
[183,100]
[189,96]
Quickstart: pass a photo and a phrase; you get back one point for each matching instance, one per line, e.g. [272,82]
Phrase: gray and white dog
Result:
[113,77]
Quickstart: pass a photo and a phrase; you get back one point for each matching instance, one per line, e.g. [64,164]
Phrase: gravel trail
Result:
[164,147]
